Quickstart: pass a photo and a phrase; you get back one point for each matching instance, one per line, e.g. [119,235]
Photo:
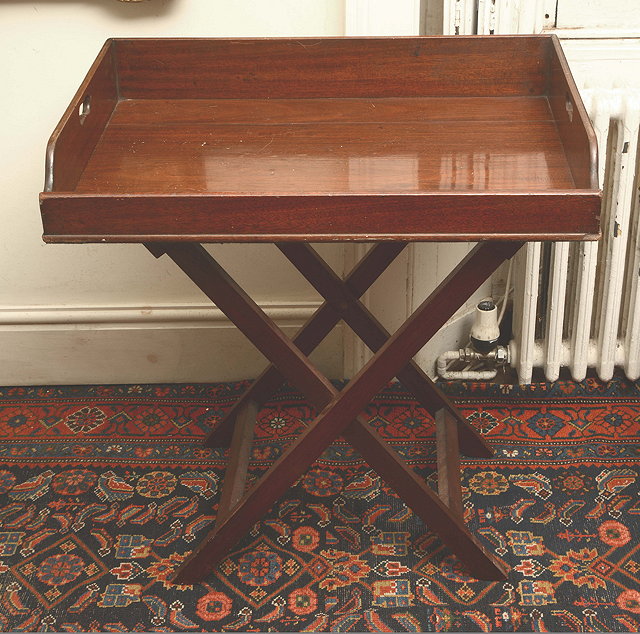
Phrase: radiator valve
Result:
[483,348]
[485,331]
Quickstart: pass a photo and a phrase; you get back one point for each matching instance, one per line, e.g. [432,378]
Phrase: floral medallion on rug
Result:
[104,491]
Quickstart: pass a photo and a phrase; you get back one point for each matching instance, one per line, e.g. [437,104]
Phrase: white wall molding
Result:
[600,33]
[144,344]
[604,62]
[189,315]
[581,47]
[598,15]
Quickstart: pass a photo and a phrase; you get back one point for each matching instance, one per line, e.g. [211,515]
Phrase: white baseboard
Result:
[127,344]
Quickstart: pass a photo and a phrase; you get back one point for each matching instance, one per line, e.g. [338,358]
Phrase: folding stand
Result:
[340,412]
[173,143]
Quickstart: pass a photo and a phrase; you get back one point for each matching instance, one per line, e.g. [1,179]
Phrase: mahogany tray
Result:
[446,138]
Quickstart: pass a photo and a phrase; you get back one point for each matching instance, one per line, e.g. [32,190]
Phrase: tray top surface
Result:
[328,146]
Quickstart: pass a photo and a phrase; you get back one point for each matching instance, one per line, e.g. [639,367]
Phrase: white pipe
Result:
[507,290]
[465,375]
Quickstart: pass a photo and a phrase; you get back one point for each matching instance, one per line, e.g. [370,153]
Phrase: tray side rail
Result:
[332,67]
[443,216]
[572,121]
[77,133]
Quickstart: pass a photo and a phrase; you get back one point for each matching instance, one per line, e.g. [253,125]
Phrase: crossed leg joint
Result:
[340,412]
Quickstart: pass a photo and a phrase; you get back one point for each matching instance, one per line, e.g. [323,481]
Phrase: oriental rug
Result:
[104,490]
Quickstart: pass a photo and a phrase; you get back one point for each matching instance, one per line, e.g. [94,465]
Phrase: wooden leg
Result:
[364,274]
[436,514]
[374,335]
[448,462]
[425,322]
[235,476]
[343,407]
[232,300]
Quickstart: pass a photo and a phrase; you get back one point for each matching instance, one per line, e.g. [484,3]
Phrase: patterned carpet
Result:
[105,489]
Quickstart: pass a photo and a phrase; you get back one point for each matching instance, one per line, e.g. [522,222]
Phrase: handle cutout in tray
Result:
[84,109]
[568,104]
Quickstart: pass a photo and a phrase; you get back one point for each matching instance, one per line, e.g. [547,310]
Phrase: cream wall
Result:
[112,313]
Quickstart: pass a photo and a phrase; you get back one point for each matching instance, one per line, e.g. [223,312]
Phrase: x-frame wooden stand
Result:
[340,412]
[329,139]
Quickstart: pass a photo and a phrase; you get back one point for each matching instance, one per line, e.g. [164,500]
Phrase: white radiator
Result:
[486,17]
[578,305]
